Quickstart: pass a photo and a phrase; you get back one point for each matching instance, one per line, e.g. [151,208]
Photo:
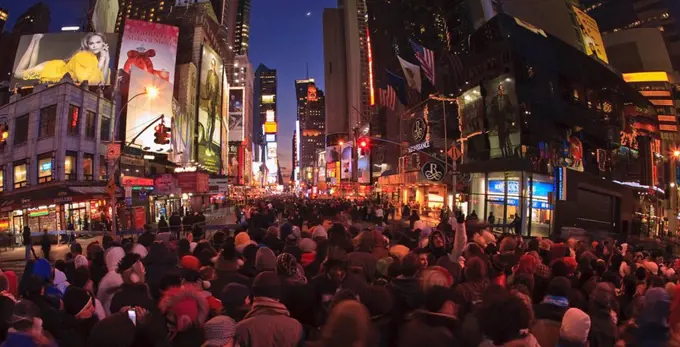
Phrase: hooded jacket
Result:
[268,324]
[112,280]
[424,328]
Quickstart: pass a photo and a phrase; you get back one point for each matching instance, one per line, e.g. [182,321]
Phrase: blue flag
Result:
[399,85]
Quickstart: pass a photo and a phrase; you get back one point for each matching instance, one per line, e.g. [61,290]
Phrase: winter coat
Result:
[132,295]
[527,341]
[268,324]
[425,328]
[112,280]
[224,277]
[364,261]
[75,332]
[19,339]
[407,294]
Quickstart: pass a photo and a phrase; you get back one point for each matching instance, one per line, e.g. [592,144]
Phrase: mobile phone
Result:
[132,314]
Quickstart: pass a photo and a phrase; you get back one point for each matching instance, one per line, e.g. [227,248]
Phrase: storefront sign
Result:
[165,184]
[433,171]
[193,182]
[130,160]
[419,147]
[139,218]
[137,181]
[540,189]
[186,169]
[63,199]
[218,185]
[541,205]
[419,130]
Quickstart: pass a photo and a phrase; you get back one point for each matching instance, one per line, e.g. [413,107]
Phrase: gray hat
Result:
[219,331]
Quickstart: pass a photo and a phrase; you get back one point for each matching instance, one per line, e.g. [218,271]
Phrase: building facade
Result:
[242,27]
[265,103]
[312,120]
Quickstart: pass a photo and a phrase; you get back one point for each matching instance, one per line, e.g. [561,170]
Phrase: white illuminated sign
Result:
[270,116]
[270,138]
[186,169]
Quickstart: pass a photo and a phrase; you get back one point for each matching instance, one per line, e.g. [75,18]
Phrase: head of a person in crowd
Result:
[183,247]
[493,316]
[116,330]
[132,269]
[473,250]
[436,240]
[348,324]
[654,281]
[107,241]
[434,276]
[378,300]
[336,264]
[26,326]
[527,265]
[558,291]
[602,298]
[423,255]
[656,309]
[184,307]
[327,223]
[319,233]
[266,285]
[81,279]
[523,282]
[219,332]
[410,265]
[236,301]
[76,248]
[265,260]
[575,328]
[475,270]
[289,269]
[442,300]
[78,303]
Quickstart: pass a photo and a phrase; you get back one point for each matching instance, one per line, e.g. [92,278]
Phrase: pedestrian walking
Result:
[28,243]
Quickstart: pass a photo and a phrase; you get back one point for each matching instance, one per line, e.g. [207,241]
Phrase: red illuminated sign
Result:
[137,181]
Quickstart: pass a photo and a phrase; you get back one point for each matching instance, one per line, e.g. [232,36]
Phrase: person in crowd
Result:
[436,324]
[27,327]
[112,280]
[163,225]
[79,317]
[45,244]
[185,310]
[548,314]
[133,292]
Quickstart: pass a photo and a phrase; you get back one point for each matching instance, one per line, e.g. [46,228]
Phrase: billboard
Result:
[233,169]
[209,130]
[105,15]
[346,161]
[182,134]
[144,110]
[364,169]
[590,33]
[272,163]
[502,116]
[46,58]
[236,103]
[321,166]
[152,47]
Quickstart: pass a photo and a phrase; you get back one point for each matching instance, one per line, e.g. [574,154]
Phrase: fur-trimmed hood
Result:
[188,301]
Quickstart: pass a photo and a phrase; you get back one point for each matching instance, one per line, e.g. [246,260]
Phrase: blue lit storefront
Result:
[505,195]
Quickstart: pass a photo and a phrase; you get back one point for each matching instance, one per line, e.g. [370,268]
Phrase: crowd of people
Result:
[321,273]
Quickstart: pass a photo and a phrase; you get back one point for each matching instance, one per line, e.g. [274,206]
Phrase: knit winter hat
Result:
[575,326]
[241,238]
[188,303]
[267,284]
[219,331]
[383,266]
[234,294]
[307,245]
[190,262]
[265,260]
[75,299]
[80,261]
[399,251]
[320,232]
[116,330]
[435,276]
[286,265]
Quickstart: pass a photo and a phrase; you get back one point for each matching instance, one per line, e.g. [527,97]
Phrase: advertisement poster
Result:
[105,15]
[233,166]
[321,166]
[271,161]
[364,169]
[152,47]
[182,134]
[210,110]
[471,112]
[46,58]
[346,162]
[236,102]
[590,33]
[501,111]
[144,110]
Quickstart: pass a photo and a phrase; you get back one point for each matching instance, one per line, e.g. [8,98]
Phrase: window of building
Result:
[88,167]
[70,163]
[73,120]
[90,124]
[103,169]
[104,132]
[48,121]
[20,174]
[45,168]
[21,130]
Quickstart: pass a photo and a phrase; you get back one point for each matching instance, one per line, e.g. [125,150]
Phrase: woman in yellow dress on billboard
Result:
[90,63]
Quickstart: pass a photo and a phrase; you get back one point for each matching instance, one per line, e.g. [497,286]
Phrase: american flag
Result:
[388,97]
[426,59]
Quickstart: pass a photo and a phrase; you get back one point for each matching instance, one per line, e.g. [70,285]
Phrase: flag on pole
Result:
[412,74]
[388,97]
[399,86]
[426,59]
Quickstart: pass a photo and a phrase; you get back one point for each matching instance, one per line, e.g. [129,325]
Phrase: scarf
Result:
[266,307]
[559,301]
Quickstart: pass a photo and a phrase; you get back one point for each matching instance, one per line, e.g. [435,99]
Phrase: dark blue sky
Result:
[282,36]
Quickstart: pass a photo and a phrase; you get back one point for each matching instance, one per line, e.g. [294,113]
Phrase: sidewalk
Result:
[56,252]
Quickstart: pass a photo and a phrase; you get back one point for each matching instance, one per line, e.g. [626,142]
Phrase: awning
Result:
[49,195]
[89,190]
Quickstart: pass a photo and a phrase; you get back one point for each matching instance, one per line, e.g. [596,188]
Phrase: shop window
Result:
[70,163]
[45,168]
[104,134]
[88,167]
[73,120]
[48,121]
[21,130]
[103,169]
[20,174]
[90,118]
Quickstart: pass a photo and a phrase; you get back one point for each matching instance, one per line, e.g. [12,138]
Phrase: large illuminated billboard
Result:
[144,109]
[270,128]
[590,33]
[46,58]
[272,163]
[363,168]
[105,15]
[346,161]
[233,167]
[152,47]
[236,105]
[210,110]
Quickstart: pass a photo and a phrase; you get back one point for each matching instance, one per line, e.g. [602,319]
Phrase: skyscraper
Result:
[335,72]
[264,107]
[311,115]
[35,20]
[242,27]
[664,15]
[149,10]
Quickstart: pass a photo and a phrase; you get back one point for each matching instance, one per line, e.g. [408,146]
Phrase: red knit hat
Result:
[190,262]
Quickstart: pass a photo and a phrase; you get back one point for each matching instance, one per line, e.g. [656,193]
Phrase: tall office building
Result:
[264,107]
[664,15]
[335,72]
[148,10]
[35,20]
[311,115]
[3,18]
[242,27]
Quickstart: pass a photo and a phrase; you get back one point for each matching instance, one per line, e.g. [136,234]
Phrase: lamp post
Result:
[152,93]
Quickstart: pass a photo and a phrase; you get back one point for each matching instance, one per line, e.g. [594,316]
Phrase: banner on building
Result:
[234,169]
[590,33]
[105,16]
[143,110]
[346,161]
[236,109]
[152,47]
[209,129]
[46,58]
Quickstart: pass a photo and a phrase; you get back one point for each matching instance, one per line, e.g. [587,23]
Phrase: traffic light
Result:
[364,145]
[4,133]
[159,134]
[168,135]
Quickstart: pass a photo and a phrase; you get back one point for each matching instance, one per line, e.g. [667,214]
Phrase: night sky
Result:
[283,37]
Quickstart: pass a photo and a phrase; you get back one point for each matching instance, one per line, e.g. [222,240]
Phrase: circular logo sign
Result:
[419,130]
[433,171]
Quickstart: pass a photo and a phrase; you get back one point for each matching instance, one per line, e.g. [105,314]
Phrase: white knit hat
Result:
[575,325]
